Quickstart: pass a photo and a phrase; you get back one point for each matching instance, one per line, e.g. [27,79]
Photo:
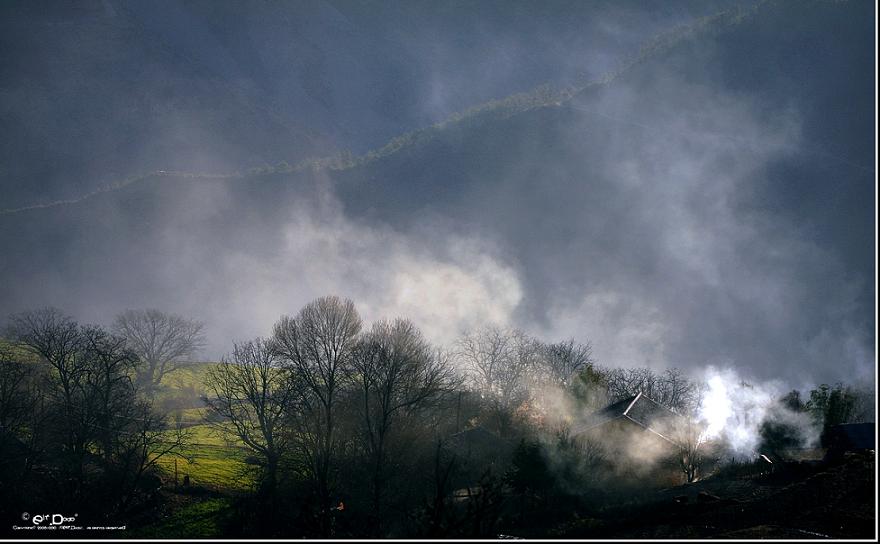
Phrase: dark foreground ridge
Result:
[801,501]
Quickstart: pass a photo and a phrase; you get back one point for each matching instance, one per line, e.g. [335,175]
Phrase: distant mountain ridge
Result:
[103,90]
[542,96]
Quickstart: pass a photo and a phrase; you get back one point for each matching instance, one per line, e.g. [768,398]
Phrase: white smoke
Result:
[732,412]
[445,287]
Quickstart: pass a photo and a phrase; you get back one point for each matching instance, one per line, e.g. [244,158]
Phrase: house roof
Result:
[639,409]
[12,447]
[610,412]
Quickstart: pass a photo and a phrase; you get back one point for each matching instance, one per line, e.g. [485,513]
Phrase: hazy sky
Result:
[97,90]
[712,204]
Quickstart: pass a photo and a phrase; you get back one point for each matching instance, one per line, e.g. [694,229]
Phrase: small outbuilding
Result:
[639,439]
[850,437]
[636,413]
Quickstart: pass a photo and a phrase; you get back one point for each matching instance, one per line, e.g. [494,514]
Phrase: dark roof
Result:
[852,436]
[11,447]
[639,409]
[650,413]
[610,412]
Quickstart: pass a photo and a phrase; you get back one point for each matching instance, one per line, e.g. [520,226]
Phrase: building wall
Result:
[633,453]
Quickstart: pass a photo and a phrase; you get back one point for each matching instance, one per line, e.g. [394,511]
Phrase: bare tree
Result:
[15,397]
[678,392]
[92,411]
[57,340]
[626,382]
[252,393]
[106,386]
[671,388]
[22,416]
[22,413]
[499,364]
[317,346]
[162,341]
[398,374]
[146,440]
[561,361]
[437,515]
[690,439]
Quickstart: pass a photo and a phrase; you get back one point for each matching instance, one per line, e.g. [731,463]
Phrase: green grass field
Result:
[209,459]
[198,519]
[183,388]
[17,352]
[210,462]
[189,376]
[215,464]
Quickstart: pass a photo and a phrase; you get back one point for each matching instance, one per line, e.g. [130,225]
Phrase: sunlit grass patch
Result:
[18,352]
[191,416]
[189,376]
[184,388]
[210,461]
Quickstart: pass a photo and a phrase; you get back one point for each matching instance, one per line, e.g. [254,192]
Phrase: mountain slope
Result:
[102,90]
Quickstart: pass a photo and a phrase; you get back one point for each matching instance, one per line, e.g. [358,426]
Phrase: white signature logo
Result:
[50,519]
